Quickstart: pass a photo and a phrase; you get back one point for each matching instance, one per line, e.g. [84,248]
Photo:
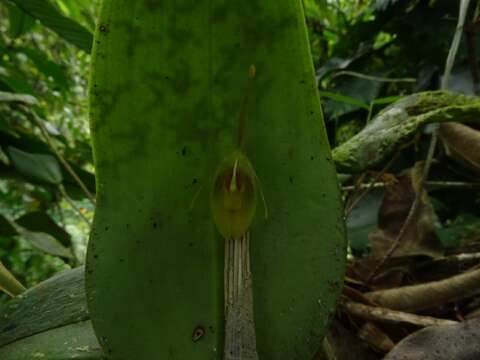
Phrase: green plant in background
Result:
[42,123]
[166,81]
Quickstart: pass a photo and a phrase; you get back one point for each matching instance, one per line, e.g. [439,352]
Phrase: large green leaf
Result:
[55,302]
[72,342]
[166,88]
[51,17]
[49,321]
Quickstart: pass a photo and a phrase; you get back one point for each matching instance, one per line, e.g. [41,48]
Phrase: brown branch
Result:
[428,295]
[375,337]
[384,315]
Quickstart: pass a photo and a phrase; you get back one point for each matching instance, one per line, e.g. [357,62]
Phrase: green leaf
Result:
[75,341]
[51,17]
[463,227]
[46,66]
[39,221]
[363,220]
[387,100]
[21,98]
[55,302]
[16,82]
[20,22]
[37,167]
[9,283]
[46,243]
[6,228]
[155,64]
[344,99]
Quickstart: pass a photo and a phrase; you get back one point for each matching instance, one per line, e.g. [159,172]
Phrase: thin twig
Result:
[60,214]
[429,184]
[62,160]
[455,43]
[373,78]
[73,205]
[369,187]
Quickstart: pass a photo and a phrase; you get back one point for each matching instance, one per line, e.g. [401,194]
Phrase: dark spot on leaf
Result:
[198,333]
[184,151]
[103,28]
[194,181]
[154,225]
[9,327]
[290,178]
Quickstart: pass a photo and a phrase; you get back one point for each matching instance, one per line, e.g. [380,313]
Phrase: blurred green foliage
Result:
[42,54]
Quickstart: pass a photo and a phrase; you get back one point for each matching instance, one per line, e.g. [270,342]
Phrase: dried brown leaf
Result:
[345,345]
[420,237]
[372,335]
[462,142]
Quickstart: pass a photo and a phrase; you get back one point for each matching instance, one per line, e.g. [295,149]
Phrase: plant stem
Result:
[74,207]
[62,160]
[240,342]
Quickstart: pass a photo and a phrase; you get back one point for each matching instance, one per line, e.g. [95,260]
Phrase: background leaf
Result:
[22,98]
[40,221]
[46,243]
[51,17]
[37,167]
